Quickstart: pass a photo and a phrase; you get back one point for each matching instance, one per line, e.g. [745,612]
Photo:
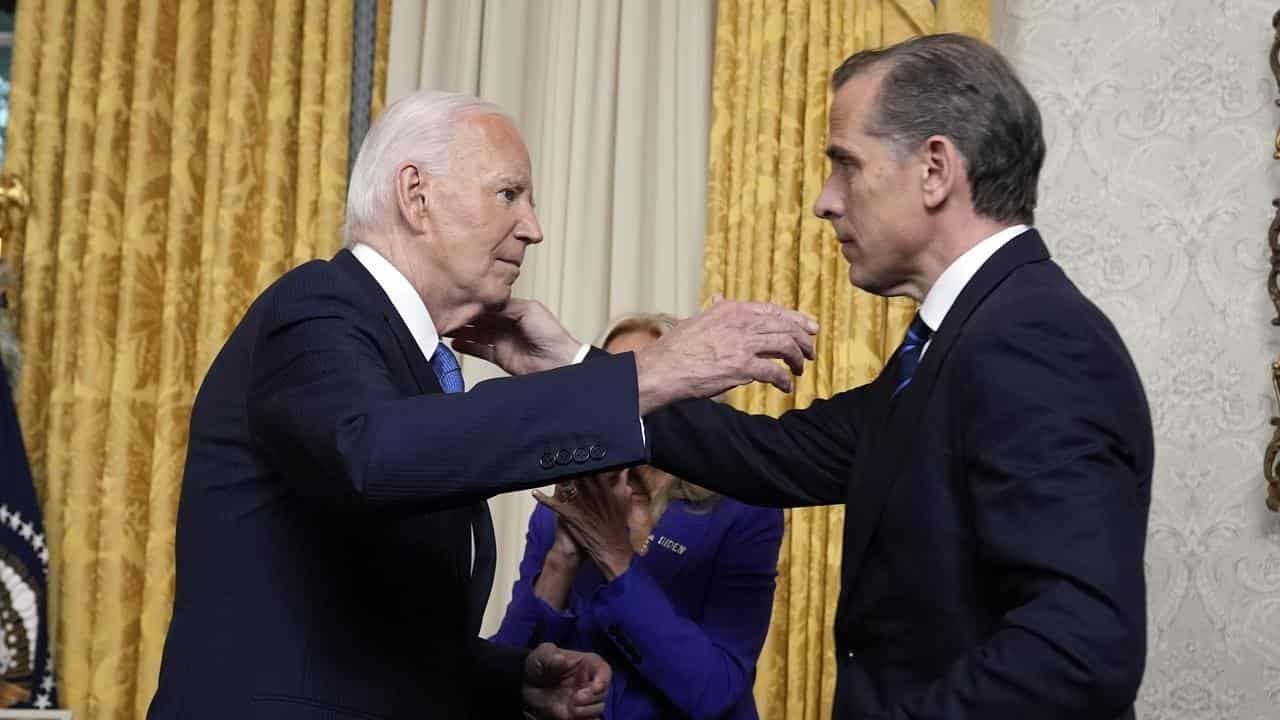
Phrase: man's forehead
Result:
[852,103]
[494,141]
[489,125]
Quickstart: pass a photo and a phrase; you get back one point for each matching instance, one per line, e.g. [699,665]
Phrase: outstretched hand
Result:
[729,344]
[522,338]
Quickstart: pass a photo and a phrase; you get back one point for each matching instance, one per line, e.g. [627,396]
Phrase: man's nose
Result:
[828,205]
[528,229]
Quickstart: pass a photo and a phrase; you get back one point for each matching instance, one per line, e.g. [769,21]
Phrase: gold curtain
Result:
[179,155]
[771,91]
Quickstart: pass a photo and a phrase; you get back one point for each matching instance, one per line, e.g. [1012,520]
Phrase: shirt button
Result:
[564,457]
[547,461]
[596,452]
[580,455]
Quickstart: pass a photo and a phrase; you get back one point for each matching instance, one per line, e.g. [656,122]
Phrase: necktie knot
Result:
[445,366]
[918,334]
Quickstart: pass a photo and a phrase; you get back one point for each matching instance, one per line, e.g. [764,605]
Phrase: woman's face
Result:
[645,481]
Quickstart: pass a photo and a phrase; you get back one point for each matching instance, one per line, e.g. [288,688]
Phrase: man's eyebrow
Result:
[512,180]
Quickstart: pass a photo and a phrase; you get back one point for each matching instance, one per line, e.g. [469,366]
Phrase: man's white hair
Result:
[417,128]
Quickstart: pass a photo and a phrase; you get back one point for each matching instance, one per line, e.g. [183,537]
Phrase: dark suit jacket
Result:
[324,528]
[996,511]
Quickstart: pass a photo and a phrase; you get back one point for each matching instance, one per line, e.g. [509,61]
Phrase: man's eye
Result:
[509,194]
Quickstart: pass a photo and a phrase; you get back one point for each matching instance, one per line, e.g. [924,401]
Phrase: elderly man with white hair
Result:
[334,548]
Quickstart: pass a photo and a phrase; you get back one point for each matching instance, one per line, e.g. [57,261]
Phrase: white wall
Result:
[1156,197]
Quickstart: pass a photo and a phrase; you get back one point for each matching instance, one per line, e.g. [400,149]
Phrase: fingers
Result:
[596,485]
[594,673]
[554,503]
[752,319]
[594,710]
[782,347]
[506,315]
[775,332]
[544,663]
[562,508]
[481,350]
[592,693]
[767,371]
[599,671]
[603,495]
[484,328]
[764,310]
[769,325]
[569,514]
[794,317]
[619,486]
[566,490]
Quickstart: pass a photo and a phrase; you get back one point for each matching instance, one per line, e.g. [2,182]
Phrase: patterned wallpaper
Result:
[1156,197]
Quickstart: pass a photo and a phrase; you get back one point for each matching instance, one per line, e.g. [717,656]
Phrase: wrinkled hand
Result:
[564,546]
[559,569]
[729,344]
[522,338]
[595,515]
[564,684]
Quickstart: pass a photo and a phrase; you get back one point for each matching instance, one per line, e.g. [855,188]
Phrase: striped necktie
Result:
[909,352]
[483,554]
[445,366]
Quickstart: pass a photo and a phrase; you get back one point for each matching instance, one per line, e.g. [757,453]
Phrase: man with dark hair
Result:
[997,473]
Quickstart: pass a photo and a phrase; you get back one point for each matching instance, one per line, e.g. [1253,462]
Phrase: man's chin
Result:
[868,284]
[859,281]
[498,300]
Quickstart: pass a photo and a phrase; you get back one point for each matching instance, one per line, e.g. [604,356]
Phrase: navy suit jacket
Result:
[682,627]
[325,522]
[996,511]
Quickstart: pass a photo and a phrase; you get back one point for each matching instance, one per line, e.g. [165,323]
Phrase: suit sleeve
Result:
[1058,443]
[529,621]
[324,411]
[497,672]
[802,458]
[704,667]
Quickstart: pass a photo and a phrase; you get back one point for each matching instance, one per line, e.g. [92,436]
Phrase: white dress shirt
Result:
[406,300]
[937,303]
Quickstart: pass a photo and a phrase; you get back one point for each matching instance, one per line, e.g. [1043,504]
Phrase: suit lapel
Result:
[410,353]
[900,418]
[477,578]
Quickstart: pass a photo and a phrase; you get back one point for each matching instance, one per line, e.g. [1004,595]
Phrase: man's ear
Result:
[412,195]
[941,169]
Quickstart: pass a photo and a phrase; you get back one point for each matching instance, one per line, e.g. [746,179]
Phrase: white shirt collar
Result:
[407,302]
[937,303]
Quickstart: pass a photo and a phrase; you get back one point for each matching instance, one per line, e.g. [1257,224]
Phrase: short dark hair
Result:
[961,88]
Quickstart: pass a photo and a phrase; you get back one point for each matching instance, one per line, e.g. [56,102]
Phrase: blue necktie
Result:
[445,366]
[484,549]
[909,352]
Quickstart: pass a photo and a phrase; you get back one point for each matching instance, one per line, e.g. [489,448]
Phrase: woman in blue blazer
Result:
[671,583]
